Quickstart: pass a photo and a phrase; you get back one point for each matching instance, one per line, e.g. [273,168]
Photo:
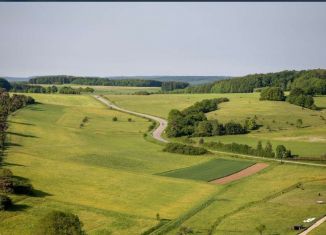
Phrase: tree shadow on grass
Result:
[18,207]
[8,145]
[40,193]
[10,164]
[34,108]
[21,134]
[22,123]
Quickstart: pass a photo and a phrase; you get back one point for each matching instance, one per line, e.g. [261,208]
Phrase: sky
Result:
[113,39]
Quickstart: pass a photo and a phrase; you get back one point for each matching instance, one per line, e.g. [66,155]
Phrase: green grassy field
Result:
[278,119]
[210,170]
[92,171]
[106,172]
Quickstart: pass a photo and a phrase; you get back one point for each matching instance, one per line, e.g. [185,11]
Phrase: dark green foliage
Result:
[4,84]
[114,119]
[27,88]
[95,81]
[187,122]
[22,186]
[184,149]
[171,85]
[232,128]
[19,101]
[246,149]
[6,185]
[5,202]
[299,123]
[68,90]
[152,126]
[282,152]
[142,93]
[298,97]
[59,223]
[272,93]
[312,81]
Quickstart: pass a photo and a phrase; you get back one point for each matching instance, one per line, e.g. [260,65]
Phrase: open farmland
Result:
[210,170]
[50,149]
[277,119]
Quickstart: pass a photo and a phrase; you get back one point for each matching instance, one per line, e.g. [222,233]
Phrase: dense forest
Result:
[97,81]
[313,82]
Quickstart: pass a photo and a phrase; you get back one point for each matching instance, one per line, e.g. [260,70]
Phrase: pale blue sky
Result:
[106,39]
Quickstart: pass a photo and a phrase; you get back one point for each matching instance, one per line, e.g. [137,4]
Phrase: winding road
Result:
[157,133]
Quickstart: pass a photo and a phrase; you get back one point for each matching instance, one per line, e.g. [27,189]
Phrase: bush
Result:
[142,93]
[184,149]
[114,119]
[60,223]
[272,93]
[232,128]
[299,97]
[22,186]
[5,202]
[6,185]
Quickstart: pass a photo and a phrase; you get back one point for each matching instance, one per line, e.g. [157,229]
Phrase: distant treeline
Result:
[23,87]
[97,81]
[313,82]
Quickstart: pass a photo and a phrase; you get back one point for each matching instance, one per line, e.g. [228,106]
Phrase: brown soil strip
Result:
[241,174]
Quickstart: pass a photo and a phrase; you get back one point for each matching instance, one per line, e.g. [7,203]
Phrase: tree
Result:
[251,124]
[259,148]
[268,151]
[5,202]
[60,223]
[280,151]
[272,93]
[261,228]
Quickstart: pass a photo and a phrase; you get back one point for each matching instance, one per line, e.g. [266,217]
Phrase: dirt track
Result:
[157,133]
[315,225]
[241,174]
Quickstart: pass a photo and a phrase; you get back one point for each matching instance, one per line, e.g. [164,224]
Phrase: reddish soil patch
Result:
[241,174]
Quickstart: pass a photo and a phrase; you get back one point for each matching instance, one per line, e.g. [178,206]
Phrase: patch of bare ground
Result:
[241,174]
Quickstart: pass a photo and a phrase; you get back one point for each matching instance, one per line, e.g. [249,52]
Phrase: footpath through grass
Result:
[207,171]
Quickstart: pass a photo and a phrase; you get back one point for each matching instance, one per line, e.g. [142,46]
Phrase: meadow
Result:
[277,119]
[91,170]
[208,171]
[107,172]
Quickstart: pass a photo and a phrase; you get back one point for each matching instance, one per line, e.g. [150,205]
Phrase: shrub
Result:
[5,202]
[114,119]
[272,93]
[59,223]
[22,186]
[299,97]
[6,185]
[232,128]
[142,93]
[184,149]
[129,120]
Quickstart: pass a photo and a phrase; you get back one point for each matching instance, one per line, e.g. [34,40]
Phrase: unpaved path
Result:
[315,225]
[157,133]
[241,174]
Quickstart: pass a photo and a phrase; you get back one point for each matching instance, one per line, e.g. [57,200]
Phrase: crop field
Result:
[90,170]
[210,170]
[271,197]
[277,119]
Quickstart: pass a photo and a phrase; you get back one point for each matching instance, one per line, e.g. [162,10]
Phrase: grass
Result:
[91,171]
[277,119]
[258,199]
[210,170]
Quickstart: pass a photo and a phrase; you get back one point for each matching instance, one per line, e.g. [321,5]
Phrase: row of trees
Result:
[27,88]
[267,151]
[313,82]
[9,183]
[184,149]
[97,81]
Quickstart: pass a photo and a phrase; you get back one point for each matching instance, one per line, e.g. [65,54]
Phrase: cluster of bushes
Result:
[184,149]
[193,122]
[281,151]
[299,97]
[272,93]
[141,93]
[59,223]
